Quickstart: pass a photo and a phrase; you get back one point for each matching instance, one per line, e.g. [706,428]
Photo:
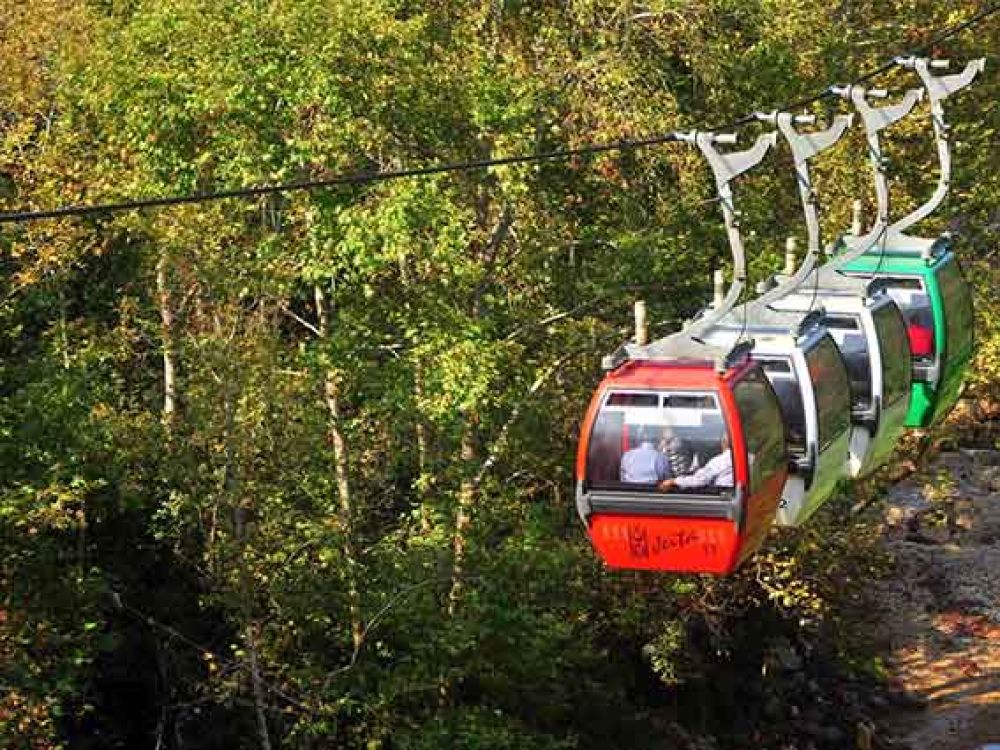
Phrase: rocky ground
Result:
[941,629]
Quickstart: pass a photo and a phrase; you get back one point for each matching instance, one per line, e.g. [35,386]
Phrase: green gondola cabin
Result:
[927,284]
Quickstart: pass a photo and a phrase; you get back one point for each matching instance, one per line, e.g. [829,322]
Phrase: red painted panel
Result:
[760,509]
[682,545]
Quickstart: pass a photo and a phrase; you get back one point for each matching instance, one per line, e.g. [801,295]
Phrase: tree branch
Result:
[299,319]
[501,442]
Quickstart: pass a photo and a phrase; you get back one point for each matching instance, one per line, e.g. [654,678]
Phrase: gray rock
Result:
[981,456]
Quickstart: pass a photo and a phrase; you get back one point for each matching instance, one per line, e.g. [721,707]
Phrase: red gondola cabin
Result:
[716,427]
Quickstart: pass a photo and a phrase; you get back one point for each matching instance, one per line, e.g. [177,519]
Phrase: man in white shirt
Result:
[644,464]
[717,472]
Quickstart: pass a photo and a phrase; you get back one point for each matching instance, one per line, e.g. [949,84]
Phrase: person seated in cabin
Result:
[679,457]
[921,335]
[717,472]
[644,464]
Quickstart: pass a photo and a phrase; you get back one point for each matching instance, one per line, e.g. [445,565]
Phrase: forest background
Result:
[295,471]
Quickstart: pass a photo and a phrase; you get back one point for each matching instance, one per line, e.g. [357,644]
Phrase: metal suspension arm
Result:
[938,89]
[725,168]
[875,119]
[804,147]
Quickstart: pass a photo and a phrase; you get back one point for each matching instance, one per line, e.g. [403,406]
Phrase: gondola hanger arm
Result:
[938,89]
[805,146]
[875,119]
[727,167]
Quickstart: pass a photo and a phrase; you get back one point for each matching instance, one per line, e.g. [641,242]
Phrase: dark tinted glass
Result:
[833,393]
[896,368]
[634,399]
[853,344]
[957,306]
[762,427]
[786,387]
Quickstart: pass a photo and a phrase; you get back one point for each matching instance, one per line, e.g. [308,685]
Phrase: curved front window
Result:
[832,389]
[892,341]
[847,331]
[955,296]
[641,438]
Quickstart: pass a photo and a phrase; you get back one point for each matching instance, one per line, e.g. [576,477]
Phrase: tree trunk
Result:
[258,688]
[424,477]
[463,515]
[423,457]
[167,334]
[239,519]
[342,475]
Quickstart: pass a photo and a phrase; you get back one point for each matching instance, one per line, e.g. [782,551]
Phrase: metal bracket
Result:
[875,119]
[725,168]
[740,351]
[804,147]
[938,89]
[813,319]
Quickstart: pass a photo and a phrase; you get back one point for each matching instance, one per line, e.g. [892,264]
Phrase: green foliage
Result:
[363,483]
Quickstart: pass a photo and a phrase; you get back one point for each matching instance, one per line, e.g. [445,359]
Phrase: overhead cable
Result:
[362,178]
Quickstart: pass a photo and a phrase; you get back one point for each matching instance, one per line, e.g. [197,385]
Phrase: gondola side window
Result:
[763,427]
[915,304]
[642,438]
[850,338]
[958,320]
[895,365]
[786,387]
[832,389]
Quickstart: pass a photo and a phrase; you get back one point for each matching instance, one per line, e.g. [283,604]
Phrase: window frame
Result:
[661,392]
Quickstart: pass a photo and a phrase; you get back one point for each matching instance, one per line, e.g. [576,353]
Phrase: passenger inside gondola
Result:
[716,473]
[641,439]
[644,464]
[914,302]
[676,452]
[920,331]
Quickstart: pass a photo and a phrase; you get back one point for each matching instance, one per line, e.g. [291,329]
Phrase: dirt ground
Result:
[942,629]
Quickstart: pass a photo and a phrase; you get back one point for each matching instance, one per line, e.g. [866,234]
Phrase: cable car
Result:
[937,307]
[922,275]
[868,329]
[682,454]
[799,358]
[804,366]
[698,404]
[864,322]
